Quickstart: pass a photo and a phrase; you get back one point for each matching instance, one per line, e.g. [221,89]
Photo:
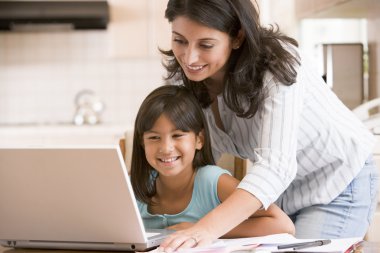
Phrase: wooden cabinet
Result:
[138,28]
[336,8]
[307,8]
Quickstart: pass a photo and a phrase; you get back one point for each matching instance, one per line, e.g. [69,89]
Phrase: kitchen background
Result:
[43,71]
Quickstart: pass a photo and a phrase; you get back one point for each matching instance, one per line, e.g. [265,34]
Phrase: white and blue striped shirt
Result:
[305,145]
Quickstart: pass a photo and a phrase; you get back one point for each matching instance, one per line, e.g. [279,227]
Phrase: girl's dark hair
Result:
[182,108]
[262,50]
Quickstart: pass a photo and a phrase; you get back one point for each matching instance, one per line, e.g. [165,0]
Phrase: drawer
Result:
[377,161]
[373,234]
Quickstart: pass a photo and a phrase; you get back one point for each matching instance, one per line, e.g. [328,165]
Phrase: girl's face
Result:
[201,51]
[169,150]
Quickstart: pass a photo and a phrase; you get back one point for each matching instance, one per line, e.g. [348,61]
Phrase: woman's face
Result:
[201,51]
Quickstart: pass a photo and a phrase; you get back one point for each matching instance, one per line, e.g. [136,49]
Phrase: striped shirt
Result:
[305,145]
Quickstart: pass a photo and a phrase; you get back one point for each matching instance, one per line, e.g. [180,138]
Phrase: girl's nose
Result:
[166,147]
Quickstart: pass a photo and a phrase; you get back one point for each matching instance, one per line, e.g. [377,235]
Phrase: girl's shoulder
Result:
[206,181]
[210,171]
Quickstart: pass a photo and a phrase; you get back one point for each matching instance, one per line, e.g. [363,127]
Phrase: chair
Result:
[237,166]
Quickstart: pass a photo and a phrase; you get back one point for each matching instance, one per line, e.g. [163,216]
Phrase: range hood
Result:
[79,14]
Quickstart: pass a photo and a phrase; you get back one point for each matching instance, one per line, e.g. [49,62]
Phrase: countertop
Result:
[62,134]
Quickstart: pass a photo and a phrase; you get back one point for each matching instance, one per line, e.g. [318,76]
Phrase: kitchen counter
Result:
[61,134]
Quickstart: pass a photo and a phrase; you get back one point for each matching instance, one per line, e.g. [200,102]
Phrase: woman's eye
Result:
[179,41]
[207,46]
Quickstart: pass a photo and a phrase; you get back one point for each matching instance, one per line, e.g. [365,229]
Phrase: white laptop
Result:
[70,198]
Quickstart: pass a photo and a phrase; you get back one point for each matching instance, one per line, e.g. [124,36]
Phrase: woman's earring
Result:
[236,47]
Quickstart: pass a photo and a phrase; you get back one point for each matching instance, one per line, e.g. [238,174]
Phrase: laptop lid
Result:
[69,198]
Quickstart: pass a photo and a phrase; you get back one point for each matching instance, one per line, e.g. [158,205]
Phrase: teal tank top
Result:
[204,199]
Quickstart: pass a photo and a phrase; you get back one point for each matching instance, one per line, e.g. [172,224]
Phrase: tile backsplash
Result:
[41,72]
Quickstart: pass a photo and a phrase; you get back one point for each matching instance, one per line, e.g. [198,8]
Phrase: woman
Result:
[264,102]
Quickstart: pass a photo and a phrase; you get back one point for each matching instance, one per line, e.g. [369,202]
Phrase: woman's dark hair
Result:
[182,108]
[262,50]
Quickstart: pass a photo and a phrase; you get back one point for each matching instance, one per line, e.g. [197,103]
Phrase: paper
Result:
[239,244]
[269,244]
[275,239]
[218,247]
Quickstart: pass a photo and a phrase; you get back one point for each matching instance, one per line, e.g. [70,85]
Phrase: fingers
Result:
[178,241]
[188,243]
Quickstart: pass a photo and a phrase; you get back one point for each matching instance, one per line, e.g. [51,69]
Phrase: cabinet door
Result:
[373,233]
[138,28]
[160,34]
[313,8]
[377,161]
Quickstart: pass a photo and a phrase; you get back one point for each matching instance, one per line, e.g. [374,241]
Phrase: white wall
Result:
[40,73]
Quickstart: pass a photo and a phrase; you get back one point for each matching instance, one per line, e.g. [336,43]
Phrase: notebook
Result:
[70,198]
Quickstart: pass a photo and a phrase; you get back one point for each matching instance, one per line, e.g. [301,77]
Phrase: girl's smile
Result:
[168,162]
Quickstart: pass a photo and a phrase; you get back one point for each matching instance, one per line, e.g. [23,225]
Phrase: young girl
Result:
[264,101]
[173,173]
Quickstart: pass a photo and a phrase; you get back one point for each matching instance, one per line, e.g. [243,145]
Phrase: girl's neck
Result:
[173,194]
[175,187]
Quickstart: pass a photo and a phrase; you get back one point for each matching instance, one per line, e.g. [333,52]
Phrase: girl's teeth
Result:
[169,160]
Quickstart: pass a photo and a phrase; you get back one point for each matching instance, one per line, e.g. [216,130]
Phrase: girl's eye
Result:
[179,134]
[153,137]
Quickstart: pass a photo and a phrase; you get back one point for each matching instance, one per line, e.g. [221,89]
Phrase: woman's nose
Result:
[192,55]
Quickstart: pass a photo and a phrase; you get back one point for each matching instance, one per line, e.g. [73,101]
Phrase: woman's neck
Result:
[214,87]
[215,84]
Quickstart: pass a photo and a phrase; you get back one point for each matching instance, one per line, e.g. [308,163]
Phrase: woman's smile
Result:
[194,70]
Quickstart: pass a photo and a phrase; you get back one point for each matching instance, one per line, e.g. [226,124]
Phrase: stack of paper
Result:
[269,243]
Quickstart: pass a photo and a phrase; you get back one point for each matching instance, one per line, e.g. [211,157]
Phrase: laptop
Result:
[70,198]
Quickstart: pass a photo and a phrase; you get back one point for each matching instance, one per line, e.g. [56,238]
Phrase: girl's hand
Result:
[181,226]
[188,238]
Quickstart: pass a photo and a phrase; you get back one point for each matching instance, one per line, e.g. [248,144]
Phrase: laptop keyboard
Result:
[151,234]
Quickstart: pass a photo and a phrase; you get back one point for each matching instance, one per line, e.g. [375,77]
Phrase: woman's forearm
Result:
[261,226]
[234,210]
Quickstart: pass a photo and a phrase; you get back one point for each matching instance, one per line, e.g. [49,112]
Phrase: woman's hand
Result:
[235,209]
[181,226]
[188,238]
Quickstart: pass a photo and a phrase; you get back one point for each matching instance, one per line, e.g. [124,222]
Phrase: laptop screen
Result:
[70,194]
